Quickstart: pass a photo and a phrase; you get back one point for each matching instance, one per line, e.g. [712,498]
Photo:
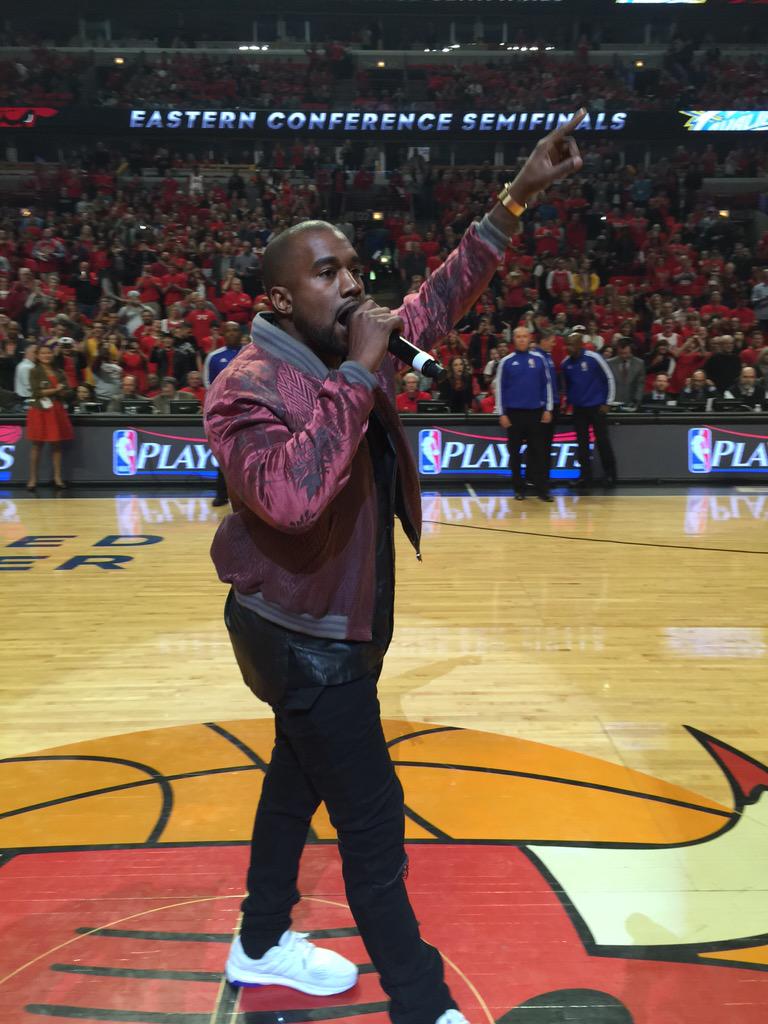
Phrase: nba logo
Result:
[430,447]
[700,450]
[124,449]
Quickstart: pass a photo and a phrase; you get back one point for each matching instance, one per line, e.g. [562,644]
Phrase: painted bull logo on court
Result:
[557,886]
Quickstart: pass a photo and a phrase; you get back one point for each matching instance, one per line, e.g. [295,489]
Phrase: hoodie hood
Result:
[267,335]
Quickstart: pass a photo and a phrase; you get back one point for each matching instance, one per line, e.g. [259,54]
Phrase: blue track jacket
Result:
[588,380]
[523,381]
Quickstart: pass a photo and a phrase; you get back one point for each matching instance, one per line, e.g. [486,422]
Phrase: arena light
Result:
[534,49]
[242,47]
[380,64]
[378,215]
[724,213]
[549,47]
[639,63]
[119,60]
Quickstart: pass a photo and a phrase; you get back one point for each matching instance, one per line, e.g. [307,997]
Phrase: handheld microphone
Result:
[421,361]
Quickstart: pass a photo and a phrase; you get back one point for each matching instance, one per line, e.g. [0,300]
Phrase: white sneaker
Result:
[452,1017]
[295,963]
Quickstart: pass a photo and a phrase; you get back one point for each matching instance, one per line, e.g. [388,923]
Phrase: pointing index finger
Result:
[569,126]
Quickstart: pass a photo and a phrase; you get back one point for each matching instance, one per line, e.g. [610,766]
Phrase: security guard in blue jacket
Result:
[524,401]
[590,389]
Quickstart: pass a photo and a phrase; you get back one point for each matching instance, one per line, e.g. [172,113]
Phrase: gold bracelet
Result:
[509,203]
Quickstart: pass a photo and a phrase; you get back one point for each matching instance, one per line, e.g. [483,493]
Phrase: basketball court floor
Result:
[575,700]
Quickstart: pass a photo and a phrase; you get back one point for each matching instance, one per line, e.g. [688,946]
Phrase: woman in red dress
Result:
[47,419]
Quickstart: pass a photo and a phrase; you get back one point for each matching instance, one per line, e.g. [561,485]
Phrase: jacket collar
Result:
[269,336]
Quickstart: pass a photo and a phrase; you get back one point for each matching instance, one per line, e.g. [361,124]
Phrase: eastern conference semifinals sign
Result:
[428,123]
[352,121]
[642,125]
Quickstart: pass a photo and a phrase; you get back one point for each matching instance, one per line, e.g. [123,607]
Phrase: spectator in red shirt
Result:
[150,290]
[175,287]
[559,280]
[235,304]
[410,396]
[751,352]
[409,240]
[194,386]
[153,386]
[212,341]
[174,319]
[546,239]
[576,233]
[430,247]
[690,358]
[201,319]
[134,363]
[715,307]
[480,345]
[745,316]
[450,347]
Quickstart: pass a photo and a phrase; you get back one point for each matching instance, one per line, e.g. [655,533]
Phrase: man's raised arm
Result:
[456,285]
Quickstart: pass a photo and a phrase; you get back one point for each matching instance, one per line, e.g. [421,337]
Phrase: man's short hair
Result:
[278,251]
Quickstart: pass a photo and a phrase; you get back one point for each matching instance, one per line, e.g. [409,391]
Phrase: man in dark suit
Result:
[699,391]
[629,373]
[660,395]
[748,390]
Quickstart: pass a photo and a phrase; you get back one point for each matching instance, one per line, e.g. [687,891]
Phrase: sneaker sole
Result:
[275,979]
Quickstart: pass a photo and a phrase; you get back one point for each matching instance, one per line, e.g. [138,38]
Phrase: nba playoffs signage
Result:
[137,452]
[647,448]
[450,452]
[166,450]
[451,449]
[716,450]
[640,125]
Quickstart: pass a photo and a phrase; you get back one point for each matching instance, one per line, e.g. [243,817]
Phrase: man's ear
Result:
[281,300]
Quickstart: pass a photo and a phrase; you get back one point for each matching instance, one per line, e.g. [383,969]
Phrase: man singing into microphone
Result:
[304,427]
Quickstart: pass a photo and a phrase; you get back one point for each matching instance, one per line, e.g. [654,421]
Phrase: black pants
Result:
[526,428]
[548,430]
[335,752]
[221,486]
[583,418]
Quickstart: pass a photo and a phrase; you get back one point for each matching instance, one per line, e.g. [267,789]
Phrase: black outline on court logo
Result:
[595,1007]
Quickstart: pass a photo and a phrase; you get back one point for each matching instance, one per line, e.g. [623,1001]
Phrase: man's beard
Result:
[324,341]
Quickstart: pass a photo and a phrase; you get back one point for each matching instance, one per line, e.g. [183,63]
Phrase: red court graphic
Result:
[120,901]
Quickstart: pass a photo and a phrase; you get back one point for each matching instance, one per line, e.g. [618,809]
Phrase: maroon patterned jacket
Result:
[299,546]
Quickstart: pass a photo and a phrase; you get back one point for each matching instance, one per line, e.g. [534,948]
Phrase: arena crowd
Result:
[133,284]
[326,75]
